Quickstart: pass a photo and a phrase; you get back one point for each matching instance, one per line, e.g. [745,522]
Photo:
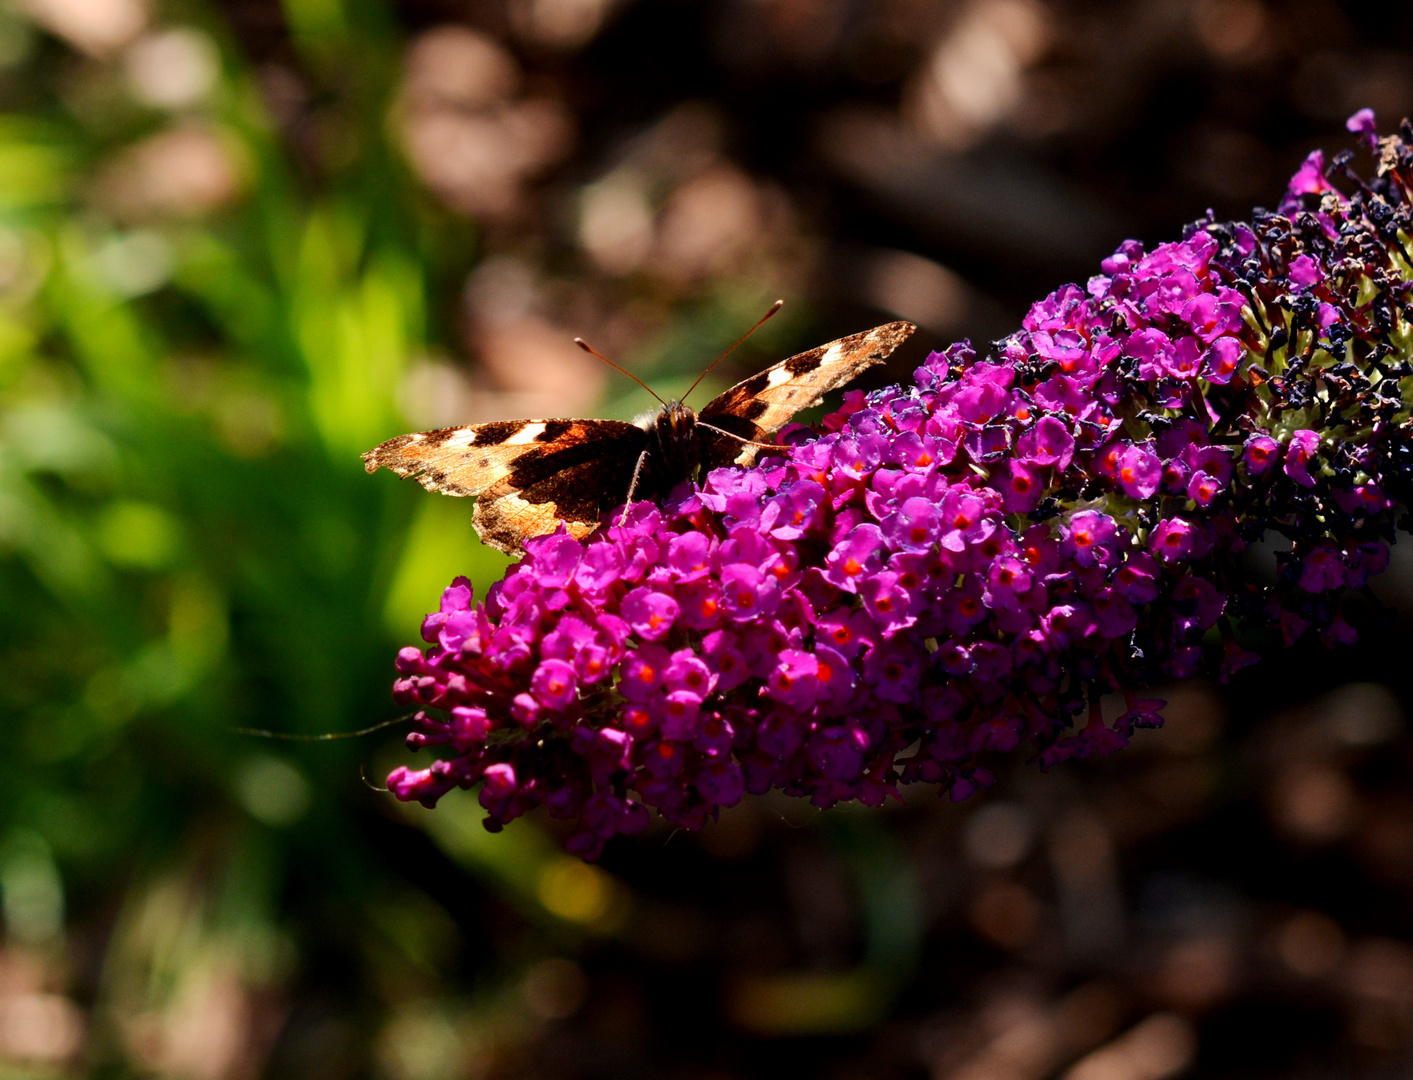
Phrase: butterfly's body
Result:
[531,474]
[673,451]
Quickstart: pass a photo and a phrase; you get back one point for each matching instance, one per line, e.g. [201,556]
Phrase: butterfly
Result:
[529,475]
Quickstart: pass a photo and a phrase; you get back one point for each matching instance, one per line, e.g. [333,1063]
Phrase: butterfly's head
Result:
[672,416]
[672,433]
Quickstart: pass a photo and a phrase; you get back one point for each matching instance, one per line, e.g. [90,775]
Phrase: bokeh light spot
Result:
[138,534]
[273,791]
[574,890]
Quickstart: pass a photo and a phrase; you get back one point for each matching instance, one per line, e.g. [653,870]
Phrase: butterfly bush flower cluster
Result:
[969,565]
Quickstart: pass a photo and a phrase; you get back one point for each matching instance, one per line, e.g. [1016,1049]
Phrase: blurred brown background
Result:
[944,162]
[414,208]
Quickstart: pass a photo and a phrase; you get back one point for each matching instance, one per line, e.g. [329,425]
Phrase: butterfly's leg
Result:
[633,485]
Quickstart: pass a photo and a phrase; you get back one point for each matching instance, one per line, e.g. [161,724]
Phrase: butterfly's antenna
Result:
[721,431]
[290,737]
[594,352]
[773,309]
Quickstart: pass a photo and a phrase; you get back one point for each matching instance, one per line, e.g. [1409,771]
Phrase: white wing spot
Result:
[460,439]
[528,434]
[778,376]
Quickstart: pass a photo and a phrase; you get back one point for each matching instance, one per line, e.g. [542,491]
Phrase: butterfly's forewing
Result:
[529,474]
[760,406]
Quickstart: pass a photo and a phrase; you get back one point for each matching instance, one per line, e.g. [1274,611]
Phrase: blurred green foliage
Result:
[188,543]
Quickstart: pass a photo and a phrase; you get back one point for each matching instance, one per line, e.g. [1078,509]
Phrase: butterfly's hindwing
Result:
[506,521]
[758,407]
